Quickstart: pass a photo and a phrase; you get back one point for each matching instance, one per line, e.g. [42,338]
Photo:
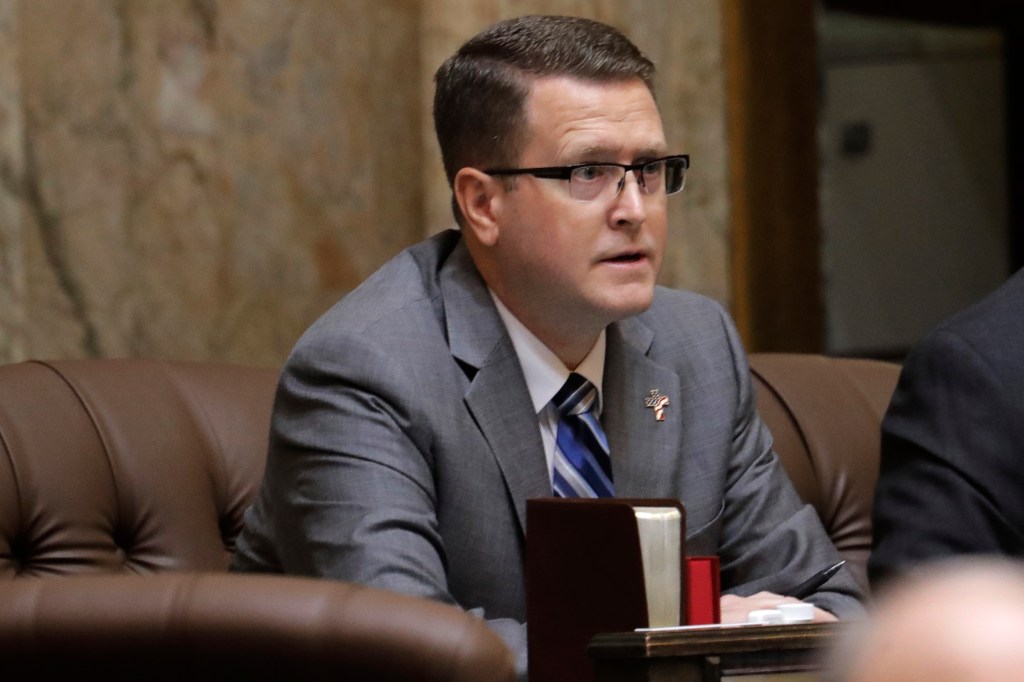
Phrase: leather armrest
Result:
[230,626]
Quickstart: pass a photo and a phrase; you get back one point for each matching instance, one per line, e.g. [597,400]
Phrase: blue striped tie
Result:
[582,465]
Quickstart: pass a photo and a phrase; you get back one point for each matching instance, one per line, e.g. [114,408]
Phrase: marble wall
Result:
[201,179]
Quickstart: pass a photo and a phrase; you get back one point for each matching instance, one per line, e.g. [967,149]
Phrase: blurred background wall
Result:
[201,179]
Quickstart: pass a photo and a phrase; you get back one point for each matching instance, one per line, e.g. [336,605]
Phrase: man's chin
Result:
[632,301]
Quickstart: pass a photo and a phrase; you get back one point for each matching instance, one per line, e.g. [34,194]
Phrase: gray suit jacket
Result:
[404,446]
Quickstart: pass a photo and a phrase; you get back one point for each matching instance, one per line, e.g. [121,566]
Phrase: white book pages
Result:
[660,530]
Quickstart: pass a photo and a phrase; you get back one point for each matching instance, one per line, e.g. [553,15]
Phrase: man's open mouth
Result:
[626,258]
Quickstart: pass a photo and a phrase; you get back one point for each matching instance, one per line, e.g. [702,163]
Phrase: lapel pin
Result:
[657,402]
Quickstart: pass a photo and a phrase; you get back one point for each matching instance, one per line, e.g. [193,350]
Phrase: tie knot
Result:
[576,396]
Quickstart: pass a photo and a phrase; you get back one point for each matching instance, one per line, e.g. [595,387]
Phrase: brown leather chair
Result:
[114,468]
[122,488]
[825,415]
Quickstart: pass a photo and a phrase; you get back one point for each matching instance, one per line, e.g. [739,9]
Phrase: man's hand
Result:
[736,609]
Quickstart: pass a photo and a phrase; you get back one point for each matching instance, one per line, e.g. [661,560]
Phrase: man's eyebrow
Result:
[595,153]
[653,152]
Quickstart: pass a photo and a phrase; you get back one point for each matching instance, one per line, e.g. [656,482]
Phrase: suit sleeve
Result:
[349,489]
[950,480]
[771,540]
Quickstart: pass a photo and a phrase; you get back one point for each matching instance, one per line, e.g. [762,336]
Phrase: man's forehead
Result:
[594,118]
[556,83]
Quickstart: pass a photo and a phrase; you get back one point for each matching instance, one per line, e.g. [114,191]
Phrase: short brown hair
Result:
[481,89]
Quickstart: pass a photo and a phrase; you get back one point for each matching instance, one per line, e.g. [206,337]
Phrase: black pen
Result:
[807,587]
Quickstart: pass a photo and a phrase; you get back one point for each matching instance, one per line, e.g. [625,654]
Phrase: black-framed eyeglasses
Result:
[591,181]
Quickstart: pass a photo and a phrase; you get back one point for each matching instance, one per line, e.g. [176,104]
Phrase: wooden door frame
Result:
[771,83]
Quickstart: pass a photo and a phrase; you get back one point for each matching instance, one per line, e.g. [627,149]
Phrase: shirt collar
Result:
[545,373]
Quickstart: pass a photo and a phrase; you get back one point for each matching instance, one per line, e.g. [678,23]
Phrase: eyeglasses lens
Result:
[675,175]
[590,182]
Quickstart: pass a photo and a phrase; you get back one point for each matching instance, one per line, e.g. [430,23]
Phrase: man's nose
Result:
[629,207]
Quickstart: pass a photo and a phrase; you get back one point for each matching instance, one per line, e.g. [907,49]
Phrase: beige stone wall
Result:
[202,178]
[12,258]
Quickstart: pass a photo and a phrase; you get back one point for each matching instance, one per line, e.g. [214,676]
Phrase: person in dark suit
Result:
[414,419]
[952,466]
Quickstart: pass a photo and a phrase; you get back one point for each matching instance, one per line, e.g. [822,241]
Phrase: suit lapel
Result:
[497,396]
[645,452]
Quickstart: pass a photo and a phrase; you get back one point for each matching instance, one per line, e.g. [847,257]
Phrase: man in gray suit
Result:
[414,419]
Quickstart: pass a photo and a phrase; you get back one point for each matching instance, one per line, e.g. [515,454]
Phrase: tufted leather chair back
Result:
[127,465]
[825,415]
[147,466]
[111,468]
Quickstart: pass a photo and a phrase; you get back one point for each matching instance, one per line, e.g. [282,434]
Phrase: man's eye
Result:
[588,173]
[654,168]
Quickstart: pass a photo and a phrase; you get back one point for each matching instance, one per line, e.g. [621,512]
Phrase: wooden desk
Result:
[761,652]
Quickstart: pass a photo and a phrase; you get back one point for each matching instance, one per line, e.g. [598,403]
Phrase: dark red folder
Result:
[584,575]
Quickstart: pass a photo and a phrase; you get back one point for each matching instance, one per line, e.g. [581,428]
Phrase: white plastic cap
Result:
[765,616]
[796,613]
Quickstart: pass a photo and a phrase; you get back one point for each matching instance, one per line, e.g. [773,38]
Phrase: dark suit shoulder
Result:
[968,363]
[992,322]
[966,371]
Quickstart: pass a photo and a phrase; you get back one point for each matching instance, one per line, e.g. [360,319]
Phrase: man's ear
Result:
[479,196]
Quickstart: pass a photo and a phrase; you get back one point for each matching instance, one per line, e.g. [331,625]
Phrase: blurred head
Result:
[958,621]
